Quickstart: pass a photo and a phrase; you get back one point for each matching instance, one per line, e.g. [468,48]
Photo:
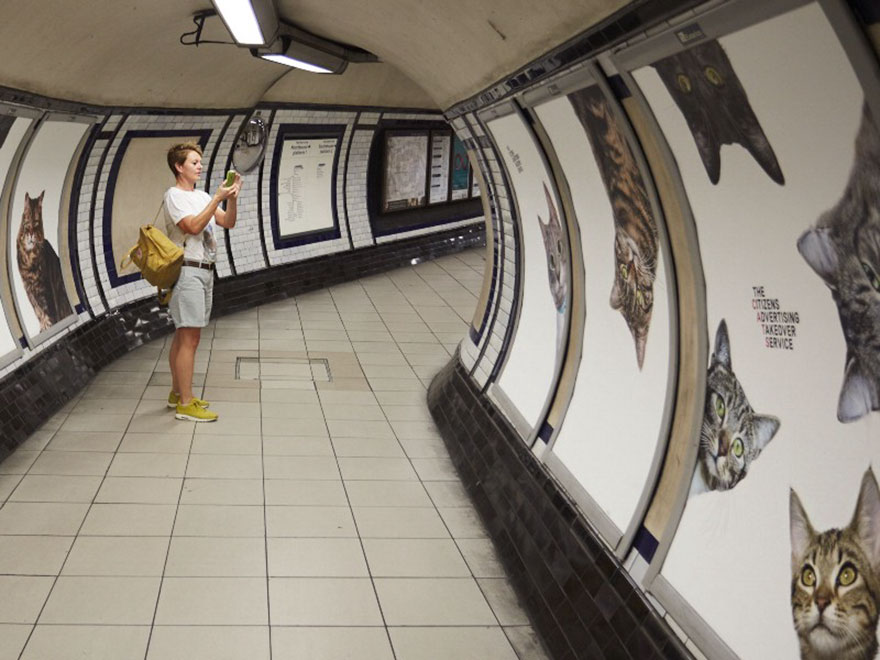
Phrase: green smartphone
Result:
[230,178]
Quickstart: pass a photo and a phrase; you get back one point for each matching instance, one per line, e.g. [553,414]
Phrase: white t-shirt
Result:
[180,204]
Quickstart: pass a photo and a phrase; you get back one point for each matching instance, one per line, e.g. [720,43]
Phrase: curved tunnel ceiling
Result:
[127,52]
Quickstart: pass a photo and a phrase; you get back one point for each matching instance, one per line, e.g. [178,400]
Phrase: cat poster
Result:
[785,108]
[612,209]
[35,222]
[12,139]
[534,358]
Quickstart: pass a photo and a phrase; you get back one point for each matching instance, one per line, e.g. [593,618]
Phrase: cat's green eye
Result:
[684,83]
[640,298]
[808,577]
[720,408]
[872,276]
[738,448]
[847,575]
[713,76]
[624,271]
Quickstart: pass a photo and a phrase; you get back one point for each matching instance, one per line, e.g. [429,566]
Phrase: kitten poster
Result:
[613,212]
[34,256]
[12,139]
[784,108]
[534,358]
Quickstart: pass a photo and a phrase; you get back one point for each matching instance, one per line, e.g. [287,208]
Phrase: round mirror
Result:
[250,145]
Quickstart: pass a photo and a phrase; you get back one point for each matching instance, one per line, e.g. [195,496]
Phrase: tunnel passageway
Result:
[319,517]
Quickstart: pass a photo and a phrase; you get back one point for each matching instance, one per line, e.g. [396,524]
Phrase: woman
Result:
[190,218]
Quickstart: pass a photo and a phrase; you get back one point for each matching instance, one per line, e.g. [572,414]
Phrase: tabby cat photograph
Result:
[843,248]
[635,229]
[557,255]
[732,435]
[835,580]
[716,107]
[40,267]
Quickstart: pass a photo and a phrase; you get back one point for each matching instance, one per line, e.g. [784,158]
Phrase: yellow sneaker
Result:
[195,413]
[174,399]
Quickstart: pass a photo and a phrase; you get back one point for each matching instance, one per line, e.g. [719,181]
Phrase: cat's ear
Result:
[866,519]
[710,152]
[765,428]
[27,198]
[722,346]
[758,145]
[40,198]
[641,341]
[858,395]
[801,530]
[818,250]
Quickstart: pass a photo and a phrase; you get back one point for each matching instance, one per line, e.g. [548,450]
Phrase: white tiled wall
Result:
[358,216]
[218,174]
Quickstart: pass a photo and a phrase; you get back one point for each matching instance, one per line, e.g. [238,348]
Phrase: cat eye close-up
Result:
[684,83]
[808,577]
[713,76]
[847,575]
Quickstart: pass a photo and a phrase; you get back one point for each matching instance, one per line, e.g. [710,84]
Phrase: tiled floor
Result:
[319,518]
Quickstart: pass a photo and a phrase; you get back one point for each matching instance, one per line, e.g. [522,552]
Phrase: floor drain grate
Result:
[315,370]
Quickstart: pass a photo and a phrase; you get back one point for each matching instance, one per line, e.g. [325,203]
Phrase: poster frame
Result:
[621,540]
[433,135]
[9,312]
[717,23]
[404,132]
[528,433]
[300,132]
[63,219]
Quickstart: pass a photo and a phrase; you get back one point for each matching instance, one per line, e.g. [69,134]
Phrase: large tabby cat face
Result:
[30,234]
[732,435]
[844,250]
[835,593]
[557,257]
[715,105]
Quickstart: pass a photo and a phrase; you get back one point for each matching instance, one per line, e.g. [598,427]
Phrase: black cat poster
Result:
[36,260]
[766,127]
[625,334]
[12,140]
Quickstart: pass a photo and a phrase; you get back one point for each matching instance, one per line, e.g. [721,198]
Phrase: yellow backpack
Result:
[158,258]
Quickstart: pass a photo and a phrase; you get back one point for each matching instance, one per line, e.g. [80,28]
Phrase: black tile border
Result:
[582,602]
[43,384]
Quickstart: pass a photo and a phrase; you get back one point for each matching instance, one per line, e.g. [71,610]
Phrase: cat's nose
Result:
[723,445]
[822,601]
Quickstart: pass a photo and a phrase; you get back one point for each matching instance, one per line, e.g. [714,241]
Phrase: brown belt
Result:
[198,264]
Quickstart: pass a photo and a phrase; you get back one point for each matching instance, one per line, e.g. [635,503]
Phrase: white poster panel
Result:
[34,262]
[613,423]
[305,185]
[440,155]
[406,160]
[8,148]
[530,370]
[762,124]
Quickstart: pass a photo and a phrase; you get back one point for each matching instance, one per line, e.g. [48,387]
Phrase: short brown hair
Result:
[177,155]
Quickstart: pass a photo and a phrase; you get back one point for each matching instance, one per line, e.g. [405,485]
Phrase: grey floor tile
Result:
[463,522]
[124,556]
[377,468]
[13,638]
[33,555]
[73,642]
[447,494]
[222,491]
[102,600]
[296,446]
[55,488]
[155,443]
[387,494]
[219,520]
[323,602]
[221,466]
[139,490]
[485,643]
[312,428]
[233,445]
[99,441]
[414,558]
[216,557]
[481,557]
[359,429]
[8,483]
[435,469]
[433,602]
[301,467]
[526,642]
[305,493]
[213,601]
[309,521]
[316,557]
[503,601]
[367,447]
[209,643]
[399,522]
[129,520]
[42,518]
[72,463]
[330,643]
[147,465]
[23,597]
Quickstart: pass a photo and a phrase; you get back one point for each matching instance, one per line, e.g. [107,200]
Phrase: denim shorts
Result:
[191,298]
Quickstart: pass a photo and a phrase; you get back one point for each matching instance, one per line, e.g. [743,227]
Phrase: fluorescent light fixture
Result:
[318,56]
[250,22]
[299,64]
